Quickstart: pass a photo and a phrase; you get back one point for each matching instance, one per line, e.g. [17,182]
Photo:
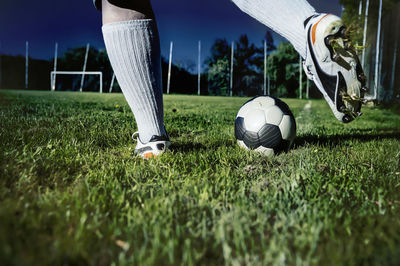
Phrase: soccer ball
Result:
[265,124]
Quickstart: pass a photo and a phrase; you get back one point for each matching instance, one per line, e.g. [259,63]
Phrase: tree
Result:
[270,41]
[13,73]
[218,67]
[73,60]
[283,69]
[247,72]
[218,74]
[219,50]
[182,81]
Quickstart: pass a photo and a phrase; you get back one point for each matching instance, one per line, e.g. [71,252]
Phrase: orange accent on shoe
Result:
[149,155]
[314,28]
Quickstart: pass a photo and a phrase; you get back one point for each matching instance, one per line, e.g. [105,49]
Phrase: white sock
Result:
[285,17]
[133,48]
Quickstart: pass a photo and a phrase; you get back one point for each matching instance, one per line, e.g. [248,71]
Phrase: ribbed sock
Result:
[133,48]
[285,17]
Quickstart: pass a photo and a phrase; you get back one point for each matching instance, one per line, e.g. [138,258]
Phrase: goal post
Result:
[53,75]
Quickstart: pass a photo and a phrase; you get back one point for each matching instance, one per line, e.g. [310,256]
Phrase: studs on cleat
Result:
[343,32]
[328,40]
[336,57]
[334,65]
[347,119]
[160,147]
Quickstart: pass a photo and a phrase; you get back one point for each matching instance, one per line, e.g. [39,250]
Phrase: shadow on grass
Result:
[333,140]
[330,140]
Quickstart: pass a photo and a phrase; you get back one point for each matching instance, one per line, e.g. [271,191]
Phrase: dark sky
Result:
[75,22]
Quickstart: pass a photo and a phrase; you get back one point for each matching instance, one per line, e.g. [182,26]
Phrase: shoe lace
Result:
[353,98]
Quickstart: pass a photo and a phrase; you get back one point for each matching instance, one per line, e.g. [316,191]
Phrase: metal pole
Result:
[171,47]
[101,82]
[359,14]
[199,69]
[300,78]
[378,42]
[380,64]
[394,64]
[265,67]
[51,77]
[365,34]
[84,66]
[26,65]
[208,80]
[53,85]
[1,69]
[268,79]
[231,74]
[112,83]
[308,89]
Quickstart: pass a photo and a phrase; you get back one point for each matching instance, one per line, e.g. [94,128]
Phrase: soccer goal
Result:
[53,77]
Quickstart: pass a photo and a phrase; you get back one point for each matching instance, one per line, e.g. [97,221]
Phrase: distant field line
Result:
[307,106]
[304,119]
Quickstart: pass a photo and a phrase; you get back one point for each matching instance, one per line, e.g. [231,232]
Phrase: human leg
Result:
[336,72]
[132,43]
[120,10]
[285,17]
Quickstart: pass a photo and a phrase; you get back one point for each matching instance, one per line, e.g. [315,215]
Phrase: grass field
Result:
[73,193]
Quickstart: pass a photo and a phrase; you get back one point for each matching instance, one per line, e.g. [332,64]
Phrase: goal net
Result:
[53,78]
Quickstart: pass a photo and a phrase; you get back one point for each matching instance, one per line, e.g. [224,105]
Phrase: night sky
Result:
[74,23]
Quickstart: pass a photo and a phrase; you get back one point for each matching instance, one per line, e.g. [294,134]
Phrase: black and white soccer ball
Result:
[265,124]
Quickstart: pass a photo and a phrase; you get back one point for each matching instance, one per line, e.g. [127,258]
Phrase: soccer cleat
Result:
[155,147]
[333,65]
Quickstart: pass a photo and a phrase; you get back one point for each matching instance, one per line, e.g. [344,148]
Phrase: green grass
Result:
[73,193]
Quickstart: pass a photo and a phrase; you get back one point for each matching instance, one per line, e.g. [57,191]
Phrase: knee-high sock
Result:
[285,17]
[133,48]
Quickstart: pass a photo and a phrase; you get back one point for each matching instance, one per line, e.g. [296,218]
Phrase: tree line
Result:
[248,70]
